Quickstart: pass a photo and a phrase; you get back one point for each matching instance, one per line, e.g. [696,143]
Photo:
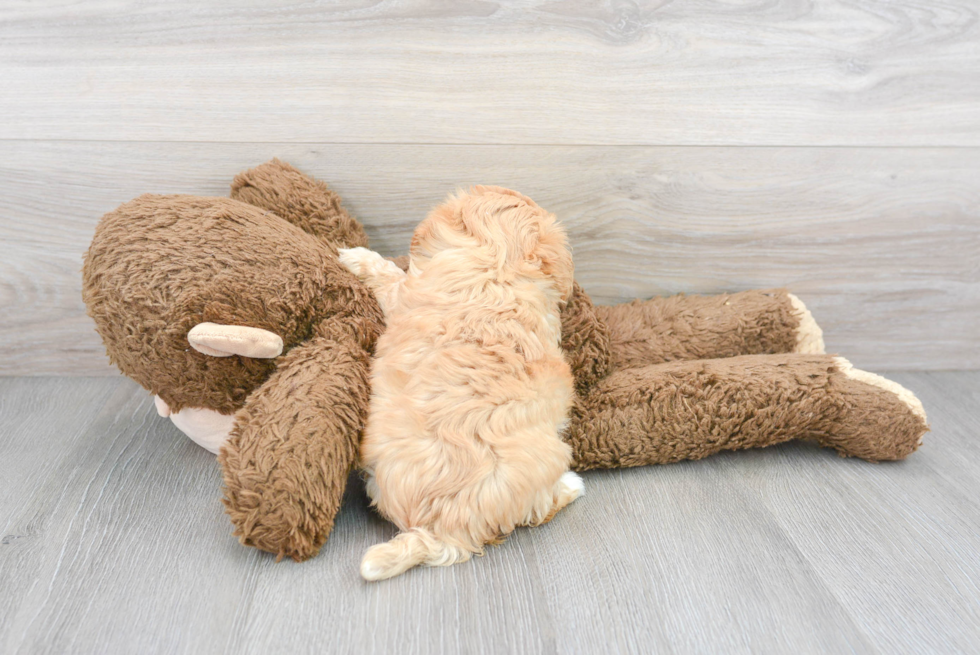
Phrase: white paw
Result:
[359,260]
[572,484]
[371,487]
[809,336]
[906,396]
[369,571]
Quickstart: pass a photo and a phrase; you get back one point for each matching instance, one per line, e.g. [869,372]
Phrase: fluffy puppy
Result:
[469,387]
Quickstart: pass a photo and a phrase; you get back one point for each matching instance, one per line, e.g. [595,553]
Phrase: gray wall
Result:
[833,148]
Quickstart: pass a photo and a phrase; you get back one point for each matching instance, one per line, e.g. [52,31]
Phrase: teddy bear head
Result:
[161,266]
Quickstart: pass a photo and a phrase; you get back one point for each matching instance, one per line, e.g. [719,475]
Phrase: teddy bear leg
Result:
[690,409]
[302,200]
[683,327]
[295,443]
[883,420]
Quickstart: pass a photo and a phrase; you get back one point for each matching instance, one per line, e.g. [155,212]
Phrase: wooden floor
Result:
[114,540]
[698,147]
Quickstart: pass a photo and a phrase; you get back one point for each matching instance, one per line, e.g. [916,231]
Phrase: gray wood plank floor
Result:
[113,540]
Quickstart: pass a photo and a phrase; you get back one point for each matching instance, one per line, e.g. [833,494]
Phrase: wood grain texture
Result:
[918,530]
[840,72]
[883,244]
[43,422]
[115,542]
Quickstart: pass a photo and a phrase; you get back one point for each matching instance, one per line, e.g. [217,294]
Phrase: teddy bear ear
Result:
[227,340]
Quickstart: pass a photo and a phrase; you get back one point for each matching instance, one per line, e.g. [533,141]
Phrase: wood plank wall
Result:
[696,147]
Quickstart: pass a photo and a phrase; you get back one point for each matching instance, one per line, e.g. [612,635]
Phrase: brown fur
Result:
[680,327]
[295,442]
[306,203]
[585,340]
[682,410]
[161,264]
[225,261]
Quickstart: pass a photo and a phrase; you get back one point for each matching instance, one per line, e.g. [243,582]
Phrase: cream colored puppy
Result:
[469,387]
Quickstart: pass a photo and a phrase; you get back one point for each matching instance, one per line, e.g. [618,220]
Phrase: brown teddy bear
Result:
[256,341]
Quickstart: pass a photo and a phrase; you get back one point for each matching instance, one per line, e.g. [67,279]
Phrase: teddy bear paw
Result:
[809,336]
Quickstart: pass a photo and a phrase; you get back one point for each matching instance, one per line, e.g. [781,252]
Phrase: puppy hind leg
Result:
[408,549]
[568,488]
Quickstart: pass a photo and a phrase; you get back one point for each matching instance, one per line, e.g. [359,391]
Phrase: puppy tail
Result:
[408,549]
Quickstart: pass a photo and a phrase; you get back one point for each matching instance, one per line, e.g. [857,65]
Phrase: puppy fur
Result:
[469,388]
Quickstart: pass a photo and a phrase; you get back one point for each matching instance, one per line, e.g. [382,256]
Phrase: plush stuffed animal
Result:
[256,341]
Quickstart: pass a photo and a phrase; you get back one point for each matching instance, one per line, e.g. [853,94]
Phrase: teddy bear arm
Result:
[691,409]
[300,199]
[294,444]
[685,327]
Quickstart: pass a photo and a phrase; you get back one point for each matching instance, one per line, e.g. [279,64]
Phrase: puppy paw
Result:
[572,486]
[568,488]
[360,261]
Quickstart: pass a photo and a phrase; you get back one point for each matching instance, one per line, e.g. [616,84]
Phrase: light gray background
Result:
[832,147]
